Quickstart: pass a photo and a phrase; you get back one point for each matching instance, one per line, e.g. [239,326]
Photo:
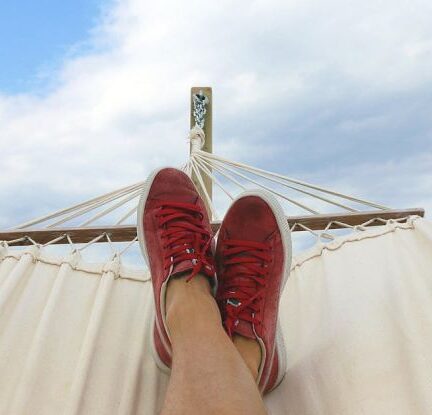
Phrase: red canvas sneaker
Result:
[175,237]
[253,257]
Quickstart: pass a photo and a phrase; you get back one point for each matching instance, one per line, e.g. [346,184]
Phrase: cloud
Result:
[333,92]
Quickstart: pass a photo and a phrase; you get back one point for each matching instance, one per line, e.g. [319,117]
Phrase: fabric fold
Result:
[356,313]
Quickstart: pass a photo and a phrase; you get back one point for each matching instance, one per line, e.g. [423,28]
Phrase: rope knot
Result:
[197,138]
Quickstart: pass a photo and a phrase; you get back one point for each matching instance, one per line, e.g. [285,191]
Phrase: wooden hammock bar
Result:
[126,233]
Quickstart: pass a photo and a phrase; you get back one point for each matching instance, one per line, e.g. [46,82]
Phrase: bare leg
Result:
[250,351]
[208,374]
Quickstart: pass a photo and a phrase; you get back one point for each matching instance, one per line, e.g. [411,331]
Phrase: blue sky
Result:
[35,36]
[94,95]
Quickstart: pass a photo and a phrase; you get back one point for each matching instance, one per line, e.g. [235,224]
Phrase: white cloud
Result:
[113,114]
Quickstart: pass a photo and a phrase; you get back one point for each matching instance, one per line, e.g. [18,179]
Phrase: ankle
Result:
[250,351]
[180,290]
[190,304]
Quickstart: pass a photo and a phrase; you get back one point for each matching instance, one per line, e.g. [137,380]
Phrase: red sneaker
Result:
[175,237]
[253,257]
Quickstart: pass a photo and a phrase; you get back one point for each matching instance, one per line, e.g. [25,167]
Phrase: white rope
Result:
[53,241]
[197,139]
[203,188]
[127,215]
[304,227]
[114,252]
[385,221]
[111,208]
[64,211]
[72,245]
[275,180]
[14,241]
[111,245]
[94,240]
[291,180]
[323,234]
[213,178]
[294,202]
[32,241]
[341,225]
[128,246]
[226,175]
[188,168]
[94,206]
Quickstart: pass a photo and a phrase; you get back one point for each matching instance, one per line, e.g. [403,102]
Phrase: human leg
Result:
[208,374]
[250,351]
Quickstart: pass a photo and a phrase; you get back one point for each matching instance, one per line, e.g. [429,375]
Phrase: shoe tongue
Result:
[185,268]
[182,267]
[241,327]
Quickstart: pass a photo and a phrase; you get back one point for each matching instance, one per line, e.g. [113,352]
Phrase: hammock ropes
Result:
[230,177]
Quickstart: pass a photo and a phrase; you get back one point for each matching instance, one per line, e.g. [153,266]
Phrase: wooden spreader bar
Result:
[126,233]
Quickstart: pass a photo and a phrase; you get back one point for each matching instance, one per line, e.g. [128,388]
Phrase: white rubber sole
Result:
[140,213]
[287,247]
[140,231]
[159,363]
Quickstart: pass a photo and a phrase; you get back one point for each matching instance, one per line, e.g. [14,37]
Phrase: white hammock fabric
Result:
[356,314]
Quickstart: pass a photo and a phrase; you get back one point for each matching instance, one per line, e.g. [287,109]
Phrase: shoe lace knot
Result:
[245,267]
[185,237]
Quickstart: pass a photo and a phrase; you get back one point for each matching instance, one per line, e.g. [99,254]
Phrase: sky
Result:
[36,37]
[95,94]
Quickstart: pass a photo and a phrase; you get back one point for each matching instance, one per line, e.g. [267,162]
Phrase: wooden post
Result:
[208,145]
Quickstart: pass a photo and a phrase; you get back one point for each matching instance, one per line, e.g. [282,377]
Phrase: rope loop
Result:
[71,244]
[54,240]
[197,138]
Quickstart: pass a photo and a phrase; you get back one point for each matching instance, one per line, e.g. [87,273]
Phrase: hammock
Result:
[355,313]
[74,335]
